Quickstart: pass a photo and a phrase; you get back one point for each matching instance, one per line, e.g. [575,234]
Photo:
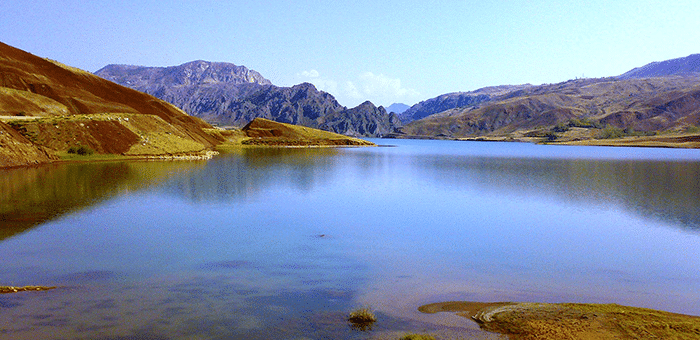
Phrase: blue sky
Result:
[383,51]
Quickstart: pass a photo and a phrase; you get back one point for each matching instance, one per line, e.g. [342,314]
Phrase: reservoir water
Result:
[284,243]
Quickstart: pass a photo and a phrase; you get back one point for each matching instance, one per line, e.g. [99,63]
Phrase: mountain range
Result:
[658,97]
[48,109]
[230,95]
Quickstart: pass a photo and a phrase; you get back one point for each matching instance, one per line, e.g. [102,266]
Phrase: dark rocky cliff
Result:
[362,120]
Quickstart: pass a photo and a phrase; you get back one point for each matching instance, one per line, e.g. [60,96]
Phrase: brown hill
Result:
[262,131]
[649,105]
[47,108]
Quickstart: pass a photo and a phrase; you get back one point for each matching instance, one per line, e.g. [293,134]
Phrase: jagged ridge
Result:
[225,101]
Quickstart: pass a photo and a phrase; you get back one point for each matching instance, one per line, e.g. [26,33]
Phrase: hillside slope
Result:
[649,105]
[456,100]
[262,131]
[678,66]
[47,108]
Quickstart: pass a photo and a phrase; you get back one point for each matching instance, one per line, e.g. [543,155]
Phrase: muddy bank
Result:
[13,289]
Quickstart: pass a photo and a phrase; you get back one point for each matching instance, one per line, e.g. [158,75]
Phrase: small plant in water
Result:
[362,319]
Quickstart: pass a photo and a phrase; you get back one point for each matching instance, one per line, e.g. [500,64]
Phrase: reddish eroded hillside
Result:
[16,150]
[74,107]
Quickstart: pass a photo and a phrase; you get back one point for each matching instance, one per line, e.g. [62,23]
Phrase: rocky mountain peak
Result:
[198,72]
[231,95]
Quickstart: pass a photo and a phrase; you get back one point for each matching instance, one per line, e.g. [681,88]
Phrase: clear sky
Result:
[383,51]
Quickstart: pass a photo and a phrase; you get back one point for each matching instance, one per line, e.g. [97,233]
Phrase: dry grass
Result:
[362,319]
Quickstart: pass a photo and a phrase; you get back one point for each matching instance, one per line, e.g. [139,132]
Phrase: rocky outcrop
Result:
[301,104]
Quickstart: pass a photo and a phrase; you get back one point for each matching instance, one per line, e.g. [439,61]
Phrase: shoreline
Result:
[526,320]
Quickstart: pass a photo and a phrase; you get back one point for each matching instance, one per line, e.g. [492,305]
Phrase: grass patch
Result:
[613,132]
[362,319]
[93,157]
[159,143]
[81,150]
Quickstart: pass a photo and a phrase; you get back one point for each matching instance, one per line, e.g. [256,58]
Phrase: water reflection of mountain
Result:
[247,172]
[667,190]
[31,196]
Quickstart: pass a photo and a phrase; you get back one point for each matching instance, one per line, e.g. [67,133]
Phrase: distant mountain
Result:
[648,104]
[455,100]
[199,72]
[226,94]
[397,108]
[49,108]
[362,120]
[660,96]
[301,104]
[679,66]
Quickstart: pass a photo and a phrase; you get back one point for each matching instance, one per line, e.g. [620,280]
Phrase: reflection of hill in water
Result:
[250,171]
[669,191]
[658,189]
[30,196]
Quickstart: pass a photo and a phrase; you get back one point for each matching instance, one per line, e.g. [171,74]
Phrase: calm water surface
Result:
[283,243]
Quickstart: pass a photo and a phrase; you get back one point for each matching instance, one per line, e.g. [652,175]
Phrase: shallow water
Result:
[283,243]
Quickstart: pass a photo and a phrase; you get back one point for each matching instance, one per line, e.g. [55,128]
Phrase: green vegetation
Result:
[92,157]
[692,129]
[584,123]
[561,127]
[81,150]
[550,136]
[362,319]
[612,132]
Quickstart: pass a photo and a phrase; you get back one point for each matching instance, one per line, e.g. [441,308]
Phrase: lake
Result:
[284,243]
